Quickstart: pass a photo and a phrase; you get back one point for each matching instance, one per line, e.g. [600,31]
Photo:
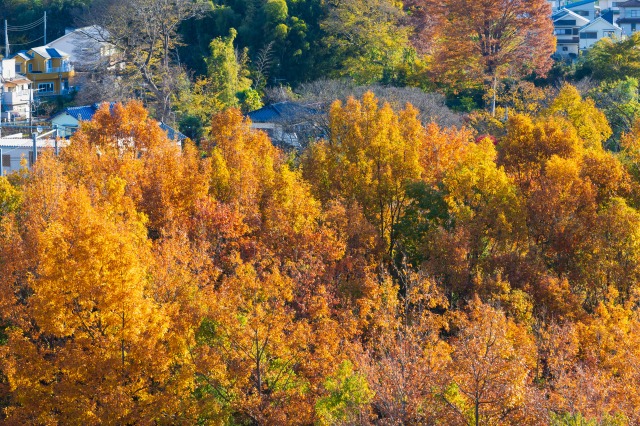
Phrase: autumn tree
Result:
[91,331]
[406,361]
[371,154]
[485,41]
[591,123]
[491,362]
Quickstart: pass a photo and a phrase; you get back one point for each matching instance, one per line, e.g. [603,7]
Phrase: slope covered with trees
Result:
[396,274]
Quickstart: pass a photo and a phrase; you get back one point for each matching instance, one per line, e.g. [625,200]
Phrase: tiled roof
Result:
[282,111]
[567,14]
[172,133]
[84,113]
[601,19]
[630,3]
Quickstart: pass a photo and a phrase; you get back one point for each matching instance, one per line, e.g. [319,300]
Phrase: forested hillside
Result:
[458,243]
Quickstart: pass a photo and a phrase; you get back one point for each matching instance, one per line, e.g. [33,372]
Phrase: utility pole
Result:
[57,135]
[6,39]
[34,136]
[45,27]
[30,109]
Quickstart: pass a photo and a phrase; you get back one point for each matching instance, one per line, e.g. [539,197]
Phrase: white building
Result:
[86,47]
[566,27]
[597,30]
[585,8]
[15,93]
[629,19]
[16,152]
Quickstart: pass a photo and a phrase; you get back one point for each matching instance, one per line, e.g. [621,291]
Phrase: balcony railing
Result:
[64,68]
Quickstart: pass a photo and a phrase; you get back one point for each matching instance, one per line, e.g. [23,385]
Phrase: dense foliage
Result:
[410,266]
[396,274]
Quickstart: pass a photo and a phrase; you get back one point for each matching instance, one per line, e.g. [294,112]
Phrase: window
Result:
[565,48]
[608,33]
[566,22]
[582,12]
[47,65]
[634,13]
[591,35]
[562,31]
[45,87]
[6,160]
[30,67]
[18,68]
[633,28]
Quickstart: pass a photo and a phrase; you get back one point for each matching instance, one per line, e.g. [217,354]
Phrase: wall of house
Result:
[83,51]
[587,11]
[66,123]
[630,13]
[47,83]
[15,151]
[600,30]
[566,29]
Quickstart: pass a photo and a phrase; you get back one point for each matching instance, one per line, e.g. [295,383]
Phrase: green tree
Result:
[620,102]
[347,399]
[615,59]
[228,74]
[366,37]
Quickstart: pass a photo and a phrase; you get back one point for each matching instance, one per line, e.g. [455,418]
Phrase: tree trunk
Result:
[493,100]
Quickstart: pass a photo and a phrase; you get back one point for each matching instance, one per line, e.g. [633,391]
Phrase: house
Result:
[629,16]
[68,121]
[608,4]
[286,123]
[15,93]
[86,48]
[566,27]
[15,149]
[585,8]
[48,68]
[596,30]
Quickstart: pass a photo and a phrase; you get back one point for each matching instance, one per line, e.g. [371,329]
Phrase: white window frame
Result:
[47,85]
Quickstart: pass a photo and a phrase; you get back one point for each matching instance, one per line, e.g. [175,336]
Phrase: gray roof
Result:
[281,111]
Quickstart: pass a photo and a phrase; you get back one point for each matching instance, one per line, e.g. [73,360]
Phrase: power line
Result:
[26,27]
[29,42]
[23,28]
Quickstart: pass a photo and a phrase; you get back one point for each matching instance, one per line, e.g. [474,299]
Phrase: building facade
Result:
[596,30]
[566,27]
[48,68]
[15,93]
[629,18]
